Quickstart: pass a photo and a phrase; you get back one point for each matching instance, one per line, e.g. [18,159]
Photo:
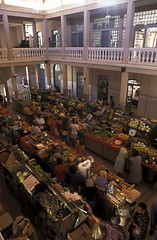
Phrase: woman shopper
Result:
[60,171]
[80,148]
[65,128]
[140,222]
[120,160]
[135,174]
[74,131]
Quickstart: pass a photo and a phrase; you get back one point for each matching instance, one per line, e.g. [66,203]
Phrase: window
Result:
[28,30]
[106,22]
[114,38]
[145,17]
[151,37]
[96,39]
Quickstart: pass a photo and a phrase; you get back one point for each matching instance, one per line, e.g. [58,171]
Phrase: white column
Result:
[37,76]
[13,78]
[35,36]
[129,29]
[86,33]
[4,80]
[65,80]
[48,74]
[63,34]
[7,34]
[120,30]
[46,39]
[123,88]
[86,83]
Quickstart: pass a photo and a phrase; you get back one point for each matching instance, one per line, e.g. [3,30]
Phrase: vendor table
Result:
[26,145]
[94,145]
[110,153]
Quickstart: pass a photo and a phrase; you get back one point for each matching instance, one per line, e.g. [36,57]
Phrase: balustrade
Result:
[143,56]
[21,53]
[56,52]
[106,54]
[3,54]
[72,52]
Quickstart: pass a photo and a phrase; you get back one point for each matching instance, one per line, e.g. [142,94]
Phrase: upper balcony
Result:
[140,56]
[115,56]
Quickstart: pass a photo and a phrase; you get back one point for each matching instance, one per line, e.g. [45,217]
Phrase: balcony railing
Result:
[72,52]
[55,52]
[3,54]
[106,54]
[143,56]
[22,53]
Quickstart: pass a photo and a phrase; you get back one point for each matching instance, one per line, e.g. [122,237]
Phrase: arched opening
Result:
[55,42]
[133,93]
[56,74]
[103,87]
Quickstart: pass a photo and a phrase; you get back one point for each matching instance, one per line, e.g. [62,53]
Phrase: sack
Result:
[96,231]
[64,133]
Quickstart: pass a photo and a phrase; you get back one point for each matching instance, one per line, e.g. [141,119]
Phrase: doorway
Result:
[133,93]
[151,37]
[103,87]
[55,39]
[57,73]
[105,38]
[80,82]
[42,76]
[139,37]
[77,39]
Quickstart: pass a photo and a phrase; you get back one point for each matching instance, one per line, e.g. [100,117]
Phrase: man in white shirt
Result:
[40,121]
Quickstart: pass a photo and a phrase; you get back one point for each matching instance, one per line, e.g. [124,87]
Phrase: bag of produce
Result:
[96,231]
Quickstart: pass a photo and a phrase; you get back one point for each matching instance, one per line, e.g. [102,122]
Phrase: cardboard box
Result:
[81,233]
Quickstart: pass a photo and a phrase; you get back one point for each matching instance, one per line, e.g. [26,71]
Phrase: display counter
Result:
[93,145]
[110,153]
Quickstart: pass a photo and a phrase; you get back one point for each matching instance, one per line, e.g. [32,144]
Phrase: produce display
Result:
[22,176]
[138,124]
[148,155]
[55,209]
[19,154]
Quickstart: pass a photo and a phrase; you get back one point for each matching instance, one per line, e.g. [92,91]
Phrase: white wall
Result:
[148,95]
[114,80]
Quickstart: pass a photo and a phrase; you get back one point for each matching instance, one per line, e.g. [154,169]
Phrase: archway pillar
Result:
[123,88]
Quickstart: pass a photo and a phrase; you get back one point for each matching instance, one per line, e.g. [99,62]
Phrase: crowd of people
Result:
[70,176]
